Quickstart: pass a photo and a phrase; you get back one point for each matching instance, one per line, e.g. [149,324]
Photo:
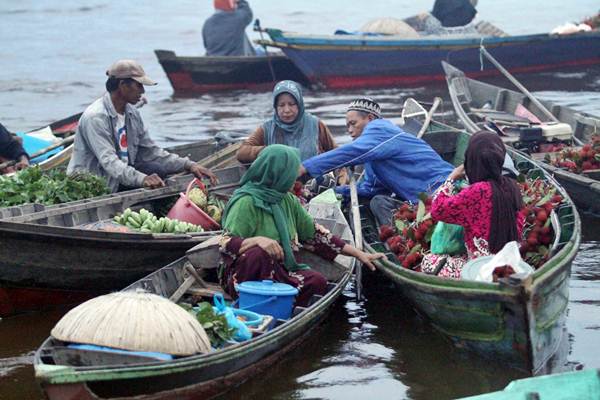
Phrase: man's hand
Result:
[270,246]
[458,173]
[201,172]
[301,170]
[22,163]
[152,182]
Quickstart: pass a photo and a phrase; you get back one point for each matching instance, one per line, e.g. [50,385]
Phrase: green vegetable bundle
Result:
[32,185]
[215,325]
[147,222]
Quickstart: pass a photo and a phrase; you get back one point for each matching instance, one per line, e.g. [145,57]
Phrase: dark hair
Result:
[483,162]
[112,83]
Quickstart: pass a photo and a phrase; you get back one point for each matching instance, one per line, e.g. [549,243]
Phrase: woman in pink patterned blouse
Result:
[487,209]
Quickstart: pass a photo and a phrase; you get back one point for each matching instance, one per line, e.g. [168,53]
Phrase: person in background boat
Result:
[488,209]
[264,223]
[224,33]
[397,166]
[11,149]
[291,125]
[112,142]
[447,17]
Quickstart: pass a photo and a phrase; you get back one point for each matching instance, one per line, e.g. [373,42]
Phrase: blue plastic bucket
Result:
[267,297]
[251,318]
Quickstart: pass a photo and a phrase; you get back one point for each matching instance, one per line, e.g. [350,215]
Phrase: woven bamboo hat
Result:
[134,321]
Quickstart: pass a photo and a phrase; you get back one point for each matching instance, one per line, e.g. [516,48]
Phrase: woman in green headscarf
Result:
[264,223]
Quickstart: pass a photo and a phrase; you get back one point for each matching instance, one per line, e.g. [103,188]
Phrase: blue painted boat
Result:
[567,386]
[362,61]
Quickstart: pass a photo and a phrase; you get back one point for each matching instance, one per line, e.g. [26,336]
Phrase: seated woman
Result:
[264,223]
[290,125]
[488,209]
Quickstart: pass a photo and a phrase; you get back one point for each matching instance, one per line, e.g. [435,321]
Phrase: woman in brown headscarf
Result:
[488,209]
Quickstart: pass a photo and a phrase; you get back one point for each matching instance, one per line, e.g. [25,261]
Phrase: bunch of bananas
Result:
[147,222]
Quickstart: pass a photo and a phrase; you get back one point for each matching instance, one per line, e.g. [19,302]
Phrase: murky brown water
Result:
[53,57]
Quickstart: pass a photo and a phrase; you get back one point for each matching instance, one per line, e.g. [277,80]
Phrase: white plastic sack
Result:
[509,255]
[570,28]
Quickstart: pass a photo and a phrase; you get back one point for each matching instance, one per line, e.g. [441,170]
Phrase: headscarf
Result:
[454,12]
[268,180]
[483,162]
[302,133]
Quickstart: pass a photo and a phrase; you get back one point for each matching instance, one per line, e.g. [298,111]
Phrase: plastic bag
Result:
[509,255]
[448,239]
[242,333]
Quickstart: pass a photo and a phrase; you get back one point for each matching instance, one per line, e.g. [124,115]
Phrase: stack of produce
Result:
[147,222]
[410,237]
[33,185]
[208,203]
[540,199]
[578,160]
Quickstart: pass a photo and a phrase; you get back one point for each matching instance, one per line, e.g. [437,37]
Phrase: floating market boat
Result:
[361,61]
[523,125]
[53,255]
[66,373]
[517,322]
[566,386]
[198,75]
[43,137]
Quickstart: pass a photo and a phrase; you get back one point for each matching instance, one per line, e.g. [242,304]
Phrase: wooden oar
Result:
[38,153]
[522,88]
[434,106]
[358,242]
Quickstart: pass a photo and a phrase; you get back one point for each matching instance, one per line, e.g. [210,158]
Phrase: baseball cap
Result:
[124,69]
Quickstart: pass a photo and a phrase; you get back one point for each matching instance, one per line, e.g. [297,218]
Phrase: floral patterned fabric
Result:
[255,265]
[471,208]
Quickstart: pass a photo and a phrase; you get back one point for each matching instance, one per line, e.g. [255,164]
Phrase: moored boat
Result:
[353,61]
[481,105]
[65,263]
[67,374]
[517,322]
[203,74]
[569,385]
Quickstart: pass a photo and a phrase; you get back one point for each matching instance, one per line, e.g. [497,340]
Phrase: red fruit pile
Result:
[410,237]
[580,159]
[540,199]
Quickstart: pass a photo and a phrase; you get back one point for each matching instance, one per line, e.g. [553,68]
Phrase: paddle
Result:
[258,28]
[523,89]
[434,106]
[38,153]
[358,243]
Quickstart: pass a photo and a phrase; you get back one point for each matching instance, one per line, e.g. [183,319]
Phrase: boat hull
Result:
[362,63]
[197,75]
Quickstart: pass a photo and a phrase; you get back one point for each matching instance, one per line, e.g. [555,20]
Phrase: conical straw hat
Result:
[390,26]
[134,321]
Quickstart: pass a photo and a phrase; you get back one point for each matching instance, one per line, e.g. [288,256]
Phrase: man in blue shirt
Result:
[397,165]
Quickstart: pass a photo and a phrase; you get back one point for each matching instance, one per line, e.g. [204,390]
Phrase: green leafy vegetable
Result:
[216,326]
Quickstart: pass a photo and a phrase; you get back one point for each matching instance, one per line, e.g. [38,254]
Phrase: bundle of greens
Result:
[215,325]
[33,185]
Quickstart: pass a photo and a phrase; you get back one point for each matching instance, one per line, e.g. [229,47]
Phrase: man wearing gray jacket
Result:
[112,142]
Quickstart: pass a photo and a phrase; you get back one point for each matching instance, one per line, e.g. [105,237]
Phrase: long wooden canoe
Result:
[68,374]
[469,97]
[517,322]
[198,75]
[46,258]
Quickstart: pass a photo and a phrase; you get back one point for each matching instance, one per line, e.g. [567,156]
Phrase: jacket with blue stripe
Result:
[394,161]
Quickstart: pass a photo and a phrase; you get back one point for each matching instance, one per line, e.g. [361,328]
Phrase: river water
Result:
[53,57]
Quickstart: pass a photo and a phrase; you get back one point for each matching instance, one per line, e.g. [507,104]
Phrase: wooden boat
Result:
[359,61]
[61,129]
[478,104]
[47,260]
[517,322]
[569,385]
[197,75]
[66,374]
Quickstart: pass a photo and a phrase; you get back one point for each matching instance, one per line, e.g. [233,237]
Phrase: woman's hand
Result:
[368,258]
[270,246]
[458,173]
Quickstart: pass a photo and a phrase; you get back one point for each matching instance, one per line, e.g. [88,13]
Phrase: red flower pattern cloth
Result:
[471,208]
